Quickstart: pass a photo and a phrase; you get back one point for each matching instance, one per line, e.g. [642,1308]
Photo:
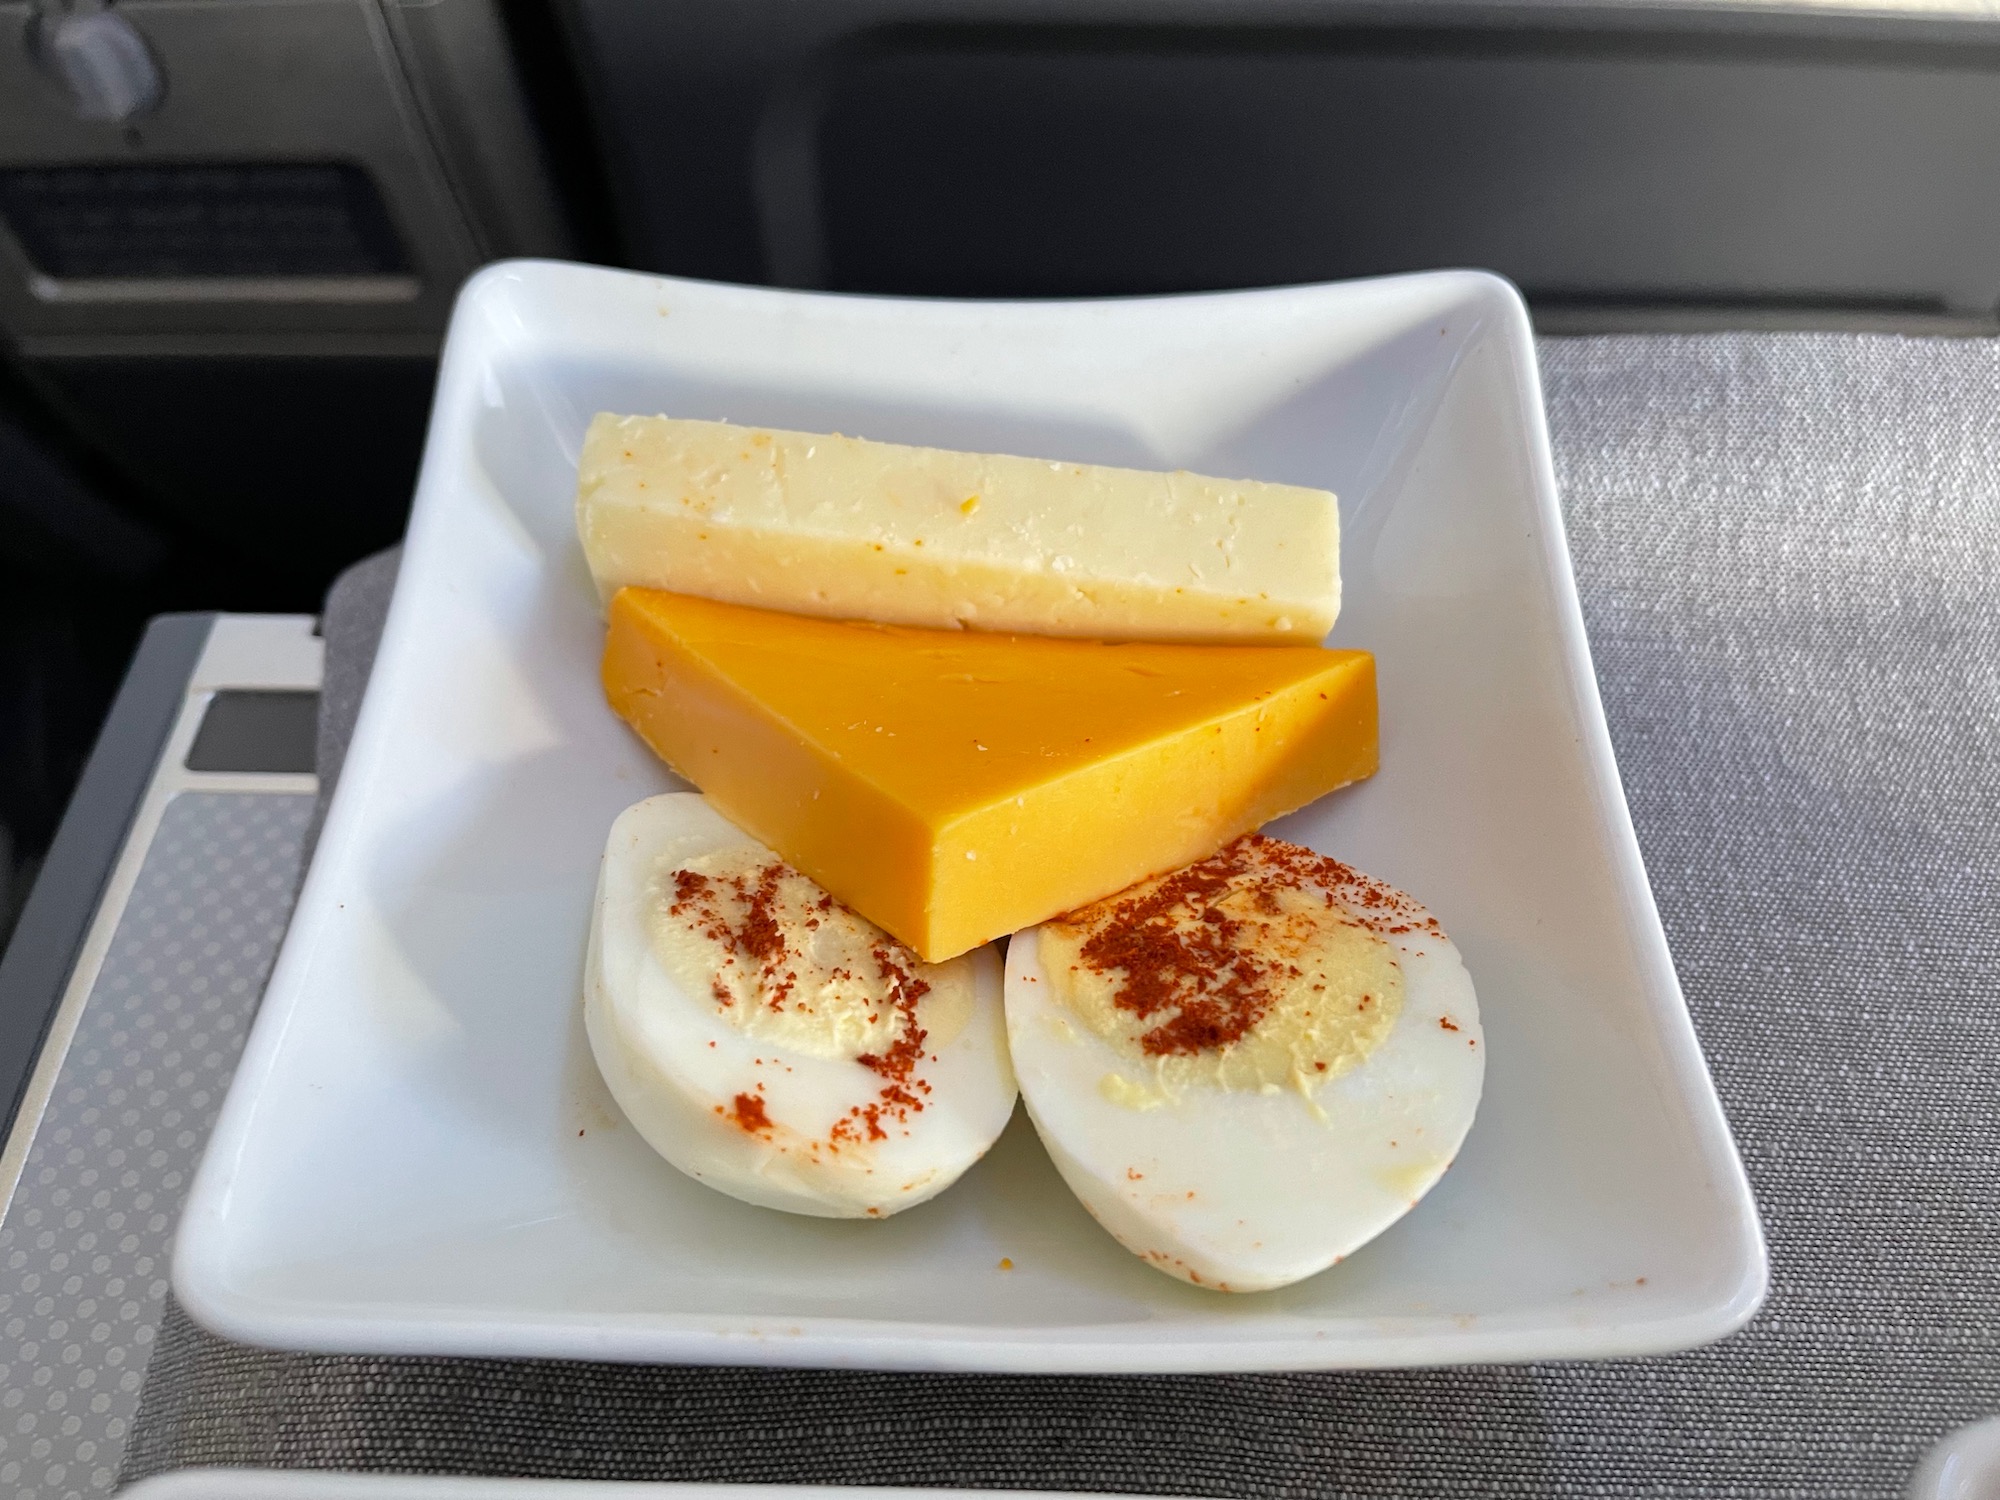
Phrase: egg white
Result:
[1243,1190]
[675,1064]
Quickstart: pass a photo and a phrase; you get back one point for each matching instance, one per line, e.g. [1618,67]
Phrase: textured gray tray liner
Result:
[1789,554]
[83,1264]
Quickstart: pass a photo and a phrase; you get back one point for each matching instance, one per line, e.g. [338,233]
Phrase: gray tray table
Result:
[1788,548]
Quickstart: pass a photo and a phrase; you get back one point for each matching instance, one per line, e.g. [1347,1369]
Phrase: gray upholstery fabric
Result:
[1788,548]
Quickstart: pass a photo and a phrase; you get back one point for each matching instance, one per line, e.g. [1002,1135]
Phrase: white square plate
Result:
[417,1155]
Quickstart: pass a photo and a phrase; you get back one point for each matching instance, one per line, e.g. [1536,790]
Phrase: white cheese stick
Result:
[850,529]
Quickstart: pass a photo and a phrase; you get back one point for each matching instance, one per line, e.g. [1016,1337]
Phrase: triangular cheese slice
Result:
[954,786]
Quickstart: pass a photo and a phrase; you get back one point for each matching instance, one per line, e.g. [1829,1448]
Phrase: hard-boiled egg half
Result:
[1247,1068]
[770,1042]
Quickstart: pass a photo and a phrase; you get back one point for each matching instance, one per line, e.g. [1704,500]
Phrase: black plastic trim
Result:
[258,730]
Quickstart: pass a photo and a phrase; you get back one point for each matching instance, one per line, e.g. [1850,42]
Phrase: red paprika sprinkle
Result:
[1186,961]
[747,1110]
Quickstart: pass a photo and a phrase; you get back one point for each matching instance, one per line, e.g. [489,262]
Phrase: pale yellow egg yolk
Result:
[1250,970]
[787,964]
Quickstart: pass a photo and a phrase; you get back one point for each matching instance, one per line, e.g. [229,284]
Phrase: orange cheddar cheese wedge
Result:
[955,786]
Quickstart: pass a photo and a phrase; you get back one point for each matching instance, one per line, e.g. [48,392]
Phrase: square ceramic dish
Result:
[417,1155]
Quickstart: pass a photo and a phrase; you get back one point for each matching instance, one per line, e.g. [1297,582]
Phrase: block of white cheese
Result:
[850,529]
